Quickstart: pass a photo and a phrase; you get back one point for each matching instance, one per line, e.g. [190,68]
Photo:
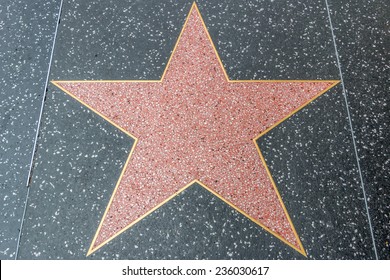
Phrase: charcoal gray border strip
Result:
[351,128]
[38,128]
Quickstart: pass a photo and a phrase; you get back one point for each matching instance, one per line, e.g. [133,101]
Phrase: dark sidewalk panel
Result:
[255,39]
[117,40]
[311,158]
[363,40]
[26,34]
[272,40]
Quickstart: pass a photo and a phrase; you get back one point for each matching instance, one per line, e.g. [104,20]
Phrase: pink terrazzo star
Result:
[195,124]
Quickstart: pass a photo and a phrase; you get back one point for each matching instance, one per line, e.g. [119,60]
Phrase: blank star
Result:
[195,125]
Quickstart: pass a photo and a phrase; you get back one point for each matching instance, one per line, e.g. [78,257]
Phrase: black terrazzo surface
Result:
[196,225]
[79,159]
[26,35]
[363,38]
[193,225]
[131,40]
[272,39]
[311,157]
[255,39]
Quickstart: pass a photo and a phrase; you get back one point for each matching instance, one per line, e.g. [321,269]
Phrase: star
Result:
[195,125]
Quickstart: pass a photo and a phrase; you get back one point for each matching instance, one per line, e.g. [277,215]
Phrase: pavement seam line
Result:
[351,128]
[38,128]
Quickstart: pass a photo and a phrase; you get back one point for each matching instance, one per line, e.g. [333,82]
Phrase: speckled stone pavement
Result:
[174,130]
